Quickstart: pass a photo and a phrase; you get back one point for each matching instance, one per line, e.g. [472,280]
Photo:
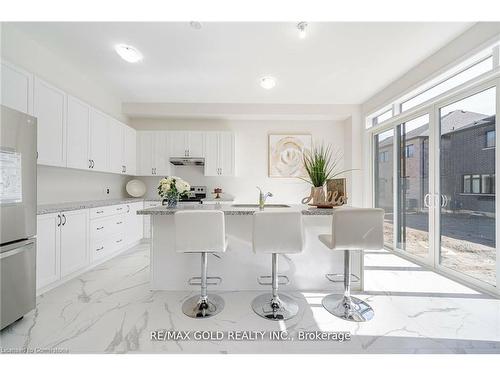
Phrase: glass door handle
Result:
[444,200]
[426,200]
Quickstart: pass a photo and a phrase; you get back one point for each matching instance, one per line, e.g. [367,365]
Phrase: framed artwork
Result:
[285,154]
[338,185]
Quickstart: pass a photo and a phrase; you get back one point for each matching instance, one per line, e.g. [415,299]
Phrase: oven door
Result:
[18,175]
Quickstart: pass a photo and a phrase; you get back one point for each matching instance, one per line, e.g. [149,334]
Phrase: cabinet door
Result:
[98,140]
[134,226]
[74,241]
[195,144]
[16,88]
[77,138]
[115,146]
[212,154]
[129,150]
[47,249]
[226,154]
[145,154]
[50,111]
[161,156]
[179,144]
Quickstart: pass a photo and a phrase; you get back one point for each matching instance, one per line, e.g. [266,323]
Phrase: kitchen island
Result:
[239,266]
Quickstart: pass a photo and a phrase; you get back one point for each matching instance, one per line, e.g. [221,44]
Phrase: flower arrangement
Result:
[171,188]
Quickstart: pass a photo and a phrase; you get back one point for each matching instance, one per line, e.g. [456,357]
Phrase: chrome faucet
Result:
[263,197]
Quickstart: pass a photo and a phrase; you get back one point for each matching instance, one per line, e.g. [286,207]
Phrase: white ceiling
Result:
[222,62]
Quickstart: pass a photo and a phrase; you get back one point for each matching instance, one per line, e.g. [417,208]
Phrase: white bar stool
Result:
[200,231]
[276,232]
[352,229]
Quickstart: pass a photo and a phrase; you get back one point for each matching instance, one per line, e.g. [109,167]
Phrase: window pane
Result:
[384,181]
[490,138]
[454,81]
[467,221]
[381,118]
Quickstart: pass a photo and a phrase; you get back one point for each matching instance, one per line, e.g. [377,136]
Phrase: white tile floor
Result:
[111,309]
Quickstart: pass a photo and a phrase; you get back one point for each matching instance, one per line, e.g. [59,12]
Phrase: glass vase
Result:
[170,200]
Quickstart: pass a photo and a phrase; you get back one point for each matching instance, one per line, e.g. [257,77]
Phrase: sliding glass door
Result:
[412,173]
[467,191]
[435,176]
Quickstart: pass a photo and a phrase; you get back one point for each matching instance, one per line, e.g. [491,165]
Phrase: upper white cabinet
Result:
[78,132]
[129,152]
[153,150]
[16,88]
[187,144]
[115,146]
[219,154]
[98,150]
[49,107]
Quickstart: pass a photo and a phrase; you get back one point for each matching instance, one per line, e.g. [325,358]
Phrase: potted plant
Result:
[321,164]
[171,189]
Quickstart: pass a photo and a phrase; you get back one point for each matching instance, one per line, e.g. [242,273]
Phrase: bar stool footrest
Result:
[197,280]
[339,277]
[284,280]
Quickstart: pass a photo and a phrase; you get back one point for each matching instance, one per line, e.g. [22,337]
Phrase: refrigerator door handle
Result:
[15,248]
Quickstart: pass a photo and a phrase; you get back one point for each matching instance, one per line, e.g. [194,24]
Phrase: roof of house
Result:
[452,122]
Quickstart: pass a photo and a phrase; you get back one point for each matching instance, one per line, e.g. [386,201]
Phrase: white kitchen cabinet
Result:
[147,218]
[186,144]
[49,107]
[129,152]
[115,146]
[77,134]
[219,154]
[145,153]
[161,154]
[74,241]
[134,223]
[48,249]
[153,149]
[16,88]
[98,147]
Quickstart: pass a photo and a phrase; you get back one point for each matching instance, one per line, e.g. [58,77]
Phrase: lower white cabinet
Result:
[74,241]
[147,218]
[48,249]
[62,245]
[70,241]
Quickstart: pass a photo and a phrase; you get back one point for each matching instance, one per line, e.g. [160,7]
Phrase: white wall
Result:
[58,185]
[251,147]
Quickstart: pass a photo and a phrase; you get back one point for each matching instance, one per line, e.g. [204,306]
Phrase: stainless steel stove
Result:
[196,194]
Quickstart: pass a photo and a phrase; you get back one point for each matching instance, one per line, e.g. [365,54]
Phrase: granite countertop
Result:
[231,210]
[71,206]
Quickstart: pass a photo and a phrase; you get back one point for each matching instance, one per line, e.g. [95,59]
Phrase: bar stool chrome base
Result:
[198,307]
[348,308]
[283,308]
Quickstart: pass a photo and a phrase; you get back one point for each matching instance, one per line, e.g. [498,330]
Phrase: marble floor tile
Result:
[110,309]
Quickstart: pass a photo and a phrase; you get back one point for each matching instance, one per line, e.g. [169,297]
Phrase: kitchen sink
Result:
[257,206]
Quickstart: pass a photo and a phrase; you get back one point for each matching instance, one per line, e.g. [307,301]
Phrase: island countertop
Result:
[232,209]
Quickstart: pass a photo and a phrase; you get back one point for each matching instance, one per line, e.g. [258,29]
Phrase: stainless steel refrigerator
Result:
[17,215]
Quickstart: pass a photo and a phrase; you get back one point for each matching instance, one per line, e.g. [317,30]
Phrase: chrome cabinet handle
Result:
[90,163]
[64,217]
[59,223]
[99,228]
[128,208]
[118,241]
[93,163]
[99,212]
[100,248]
[119,208]
[119,222]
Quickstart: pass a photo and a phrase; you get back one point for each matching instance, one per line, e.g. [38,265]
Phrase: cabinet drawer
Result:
[98,212]
[99,249]
[118,224]
[117,241]
[101,228]
[152,204]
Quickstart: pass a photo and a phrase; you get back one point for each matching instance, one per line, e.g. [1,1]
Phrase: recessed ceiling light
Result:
[128,53]
[302,29]
[195,25]
[268,82]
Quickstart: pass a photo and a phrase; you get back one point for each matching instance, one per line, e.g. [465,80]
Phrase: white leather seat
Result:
[276,232]
[198,231]
[353,229]
[201,231]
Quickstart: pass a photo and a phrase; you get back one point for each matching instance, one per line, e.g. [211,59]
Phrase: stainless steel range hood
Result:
[188,161]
